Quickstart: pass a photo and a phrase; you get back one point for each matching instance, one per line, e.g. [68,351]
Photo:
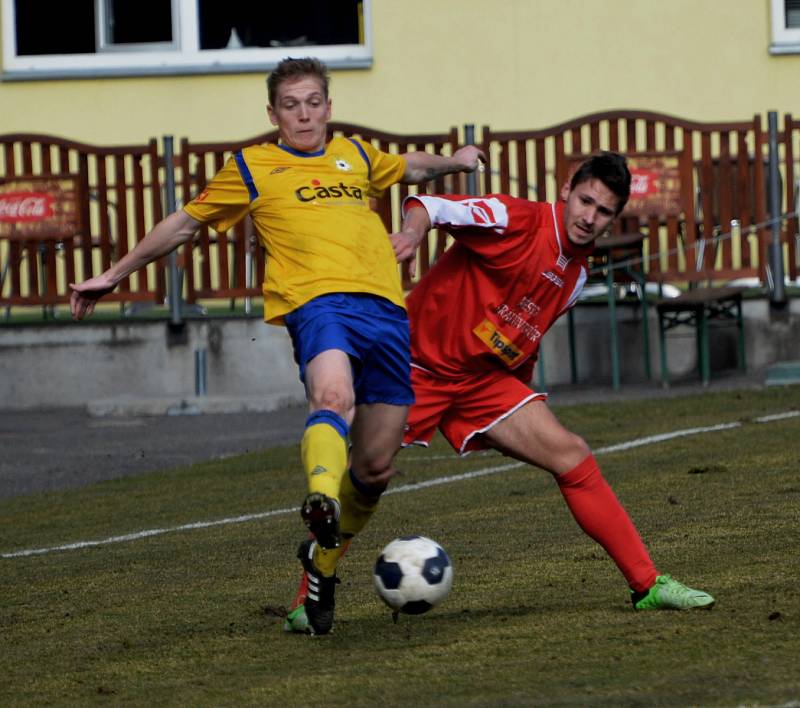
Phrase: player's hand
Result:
[470,157]
[405,243]
[85,295]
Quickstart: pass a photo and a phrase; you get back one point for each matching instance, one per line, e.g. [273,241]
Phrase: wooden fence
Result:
[122,188]
[789,143]
[121,201]
[728,175]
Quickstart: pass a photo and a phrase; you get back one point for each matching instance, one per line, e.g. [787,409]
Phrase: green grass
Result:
[537,616]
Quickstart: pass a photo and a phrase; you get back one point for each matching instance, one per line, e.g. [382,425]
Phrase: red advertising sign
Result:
[655,185]
[39,207]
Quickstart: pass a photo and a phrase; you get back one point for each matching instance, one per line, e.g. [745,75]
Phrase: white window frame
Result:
[785,40]
[185,58]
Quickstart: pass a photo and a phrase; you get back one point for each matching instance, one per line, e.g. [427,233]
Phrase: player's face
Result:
[301,113]
[590,209]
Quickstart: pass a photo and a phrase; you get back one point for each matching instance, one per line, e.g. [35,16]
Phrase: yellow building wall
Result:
[511,64]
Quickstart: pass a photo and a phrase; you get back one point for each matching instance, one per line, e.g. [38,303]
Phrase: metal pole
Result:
[777,296]
[200,372]
[174,280]
[472,179]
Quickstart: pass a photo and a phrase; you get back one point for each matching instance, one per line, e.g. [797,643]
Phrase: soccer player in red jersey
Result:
[477,319]
[516,267]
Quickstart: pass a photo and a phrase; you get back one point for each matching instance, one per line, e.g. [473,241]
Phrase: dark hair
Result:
[611,169]
[290,69]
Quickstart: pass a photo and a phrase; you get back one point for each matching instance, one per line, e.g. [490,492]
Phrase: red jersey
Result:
[489,299]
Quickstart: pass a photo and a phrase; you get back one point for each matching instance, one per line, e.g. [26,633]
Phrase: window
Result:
[125,38]
[145,25]
[785,27]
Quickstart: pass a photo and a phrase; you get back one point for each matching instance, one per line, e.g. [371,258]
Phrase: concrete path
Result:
[63,448]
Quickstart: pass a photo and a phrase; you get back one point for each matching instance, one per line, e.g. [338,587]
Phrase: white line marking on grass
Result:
[453,478]
[777,416]
[648,440]
[149,532]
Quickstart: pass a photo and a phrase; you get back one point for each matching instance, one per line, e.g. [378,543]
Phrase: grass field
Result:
[185,613]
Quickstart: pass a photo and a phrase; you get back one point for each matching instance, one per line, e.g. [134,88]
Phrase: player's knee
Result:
[577,450]
[333,399]
[375,472]
[580,446]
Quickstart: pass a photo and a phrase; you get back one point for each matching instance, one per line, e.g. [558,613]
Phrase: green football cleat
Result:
[669,594]
[297,621]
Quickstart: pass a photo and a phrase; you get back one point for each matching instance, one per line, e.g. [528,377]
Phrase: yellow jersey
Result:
[311,213]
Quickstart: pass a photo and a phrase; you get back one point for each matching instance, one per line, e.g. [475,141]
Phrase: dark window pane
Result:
[793,14]
[264,24]
[54,27]
[139,21]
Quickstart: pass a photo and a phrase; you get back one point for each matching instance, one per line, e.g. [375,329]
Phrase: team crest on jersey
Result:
[278,170]
[343,165]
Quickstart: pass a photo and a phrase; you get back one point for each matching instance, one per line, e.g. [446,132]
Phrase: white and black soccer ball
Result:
[413,574]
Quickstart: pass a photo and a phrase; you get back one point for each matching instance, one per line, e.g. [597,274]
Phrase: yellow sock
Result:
[325,559]
[323,451]
[356,510]
[358,505]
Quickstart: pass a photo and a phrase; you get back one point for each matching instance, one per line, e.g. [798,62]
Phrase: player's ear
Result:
[271,113]
[565,190]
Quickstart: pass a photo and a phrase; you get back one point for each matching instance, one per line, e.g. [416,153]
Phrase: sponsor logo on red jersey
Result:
[529,306]
[498,343]
[553,278]
[516,320]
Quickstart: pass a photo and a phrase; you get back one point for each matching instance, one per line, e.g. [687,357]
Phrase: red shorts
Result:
[462,408]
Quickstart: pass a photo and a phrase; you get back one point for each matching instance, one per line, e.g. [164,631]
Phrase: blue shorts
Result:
[370,329]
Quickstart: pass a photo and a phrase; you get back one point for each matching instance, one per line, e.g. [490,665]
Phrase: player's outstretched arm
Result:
[424,166]
[416,224]
[166,235]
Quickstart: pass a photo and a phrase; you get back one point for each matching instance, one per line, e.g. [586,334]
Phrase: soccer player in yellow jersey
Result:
[332,279]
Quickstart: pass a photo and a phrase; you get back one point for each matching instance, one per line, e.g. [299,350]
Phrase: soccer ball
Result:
[413,574]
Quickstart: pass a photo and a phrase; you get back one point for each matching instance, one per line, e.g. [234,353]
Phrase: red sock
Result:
[599,513]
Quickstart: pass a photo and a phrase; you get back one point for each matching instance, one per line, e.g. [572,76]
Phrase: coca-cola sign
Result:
[655,185]
[643,182]
[24,207]
[38,207]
